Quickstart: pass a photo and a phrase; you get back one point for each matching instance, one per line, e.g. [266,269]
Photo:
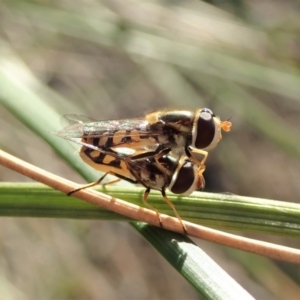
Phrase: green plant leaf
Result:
[225,212]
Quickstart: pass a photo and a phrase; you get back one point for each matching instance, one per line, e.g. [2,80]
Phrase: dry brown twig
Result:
[146,215]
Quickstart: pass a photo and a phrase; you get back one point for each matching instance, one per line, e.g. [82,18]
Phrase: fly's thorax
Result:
[206,132]
[180,140]
[171,128]
[185,178]
[153,117]
[159,183]
[168,162]
[149,173]
[179,120]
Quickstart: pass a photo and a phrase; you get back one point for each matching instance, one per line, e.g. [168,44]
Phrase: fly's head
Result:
[207,129]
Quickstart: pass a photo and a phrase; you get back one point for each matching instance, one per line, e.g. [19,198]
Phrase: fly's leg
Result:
[145,197]
[201,184]
[111,182]
[201,163]
[174,210]
[160,154]
[157,154]
[94,183]
[161,165]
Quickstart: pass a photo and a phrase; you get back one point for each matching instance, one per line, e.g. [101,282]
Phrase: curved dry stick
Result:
[136,212]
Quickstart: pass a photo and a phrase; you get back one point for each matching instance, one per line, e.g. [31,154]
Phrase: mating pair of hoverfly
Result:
[157,151]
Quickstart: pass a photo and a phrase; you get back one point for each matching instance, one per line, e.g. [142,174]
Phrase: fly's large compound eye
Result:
[206,132]
[184,178]
[204,128]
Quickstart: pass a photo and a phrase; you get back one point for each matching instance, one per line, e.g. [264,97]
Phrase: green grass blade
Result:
[225,212]
[193,263]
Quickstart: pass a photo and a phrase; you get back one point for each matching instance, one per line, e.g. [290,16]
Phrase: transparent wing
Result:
[81,119]
[120,152]
[109,128]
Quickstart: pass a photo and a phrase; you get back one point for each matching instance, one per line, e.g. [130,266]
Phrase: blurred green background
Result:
[120,59]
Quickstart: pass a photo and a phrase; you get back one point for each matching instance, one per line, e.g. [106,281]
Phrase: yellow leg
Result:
[111,182]
[174,210]
[160,154]
[201,183]
[145,197]
[89,185]
[189,153]
[200,164]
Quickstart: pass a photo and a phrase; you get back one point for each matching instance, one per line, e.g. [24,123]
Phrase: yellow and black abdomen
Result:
[103,161]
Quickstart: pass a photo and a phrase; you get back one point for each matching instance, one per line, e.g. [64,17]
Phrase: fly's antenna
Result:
[226,125]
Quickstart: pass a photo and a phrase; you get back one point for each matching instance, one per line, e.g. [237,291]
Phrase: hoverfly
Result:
[159,143]
[159,172]
[180,131]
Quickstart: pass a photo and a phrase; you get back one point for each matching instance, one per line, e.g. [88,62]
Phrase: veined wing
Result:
[130,133]
[117,152]
[75,118]
[109,128]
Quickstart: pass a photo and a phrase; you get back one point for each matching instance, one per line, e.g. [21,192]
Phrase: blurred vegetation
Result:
[120,59]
